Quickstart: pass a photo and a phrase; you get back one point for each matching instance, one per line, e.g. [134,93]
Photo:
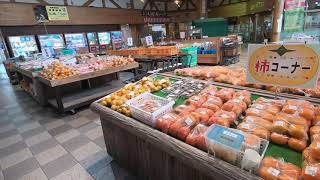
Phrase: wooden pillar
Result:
[277,20]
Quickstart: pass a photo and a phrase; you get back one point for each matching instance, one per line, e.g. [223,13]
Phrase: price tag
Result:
[188,121]
[149,40]
[273,171]
[226,137]
[130,41]
[310,170]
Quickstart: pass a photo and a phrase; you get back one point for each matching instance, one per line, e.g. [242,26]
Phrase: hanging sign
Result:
[149,41]
[130,41]
[293,4]
[57,13]
[40,13]
[294,20]
[284,65]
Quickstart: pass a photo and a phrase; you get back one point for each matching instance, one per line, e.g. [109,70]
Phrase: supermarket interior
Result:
[159,89]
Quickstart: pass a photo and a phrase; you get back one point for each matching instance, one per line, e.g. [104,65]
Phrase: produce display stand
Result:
[151,154]
[30,77]
[87,94]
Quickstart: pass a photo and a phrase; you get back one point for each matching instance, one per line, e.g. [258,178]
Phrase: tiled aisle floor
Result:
[38,144]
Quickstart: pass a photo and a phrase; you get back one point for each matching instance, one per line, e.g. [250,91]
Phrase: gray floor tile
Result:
[97,157]
[80,122]
[37,174]
[100,142]
[43,146]
[76,172]
[15,158]
[106,173]
[25,167]
[8,133]
[59,165]
[87,127]
[33,132]
[75,143]
[12,149]
[59,130]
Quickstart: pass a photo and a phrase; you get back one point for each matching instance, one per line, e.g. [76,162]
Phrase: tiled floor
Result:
[38,144]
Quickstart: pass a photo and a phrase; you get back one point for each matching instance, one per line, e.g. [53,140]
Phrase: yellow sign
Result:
[284,65]
[57,13]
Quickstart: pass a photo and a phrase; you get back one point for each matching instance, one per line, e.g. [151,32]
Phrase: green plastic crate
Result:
[192,59]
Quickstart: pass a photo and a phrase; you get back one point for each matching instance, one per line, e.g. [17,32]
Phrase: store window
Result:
[23,45]
[104,38]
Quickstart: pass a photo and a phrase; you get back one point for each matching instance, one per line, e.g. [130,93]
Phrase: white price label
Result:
[188,121]
[130,41]
[310,170]
[273,171]
[279,123]
[293,107]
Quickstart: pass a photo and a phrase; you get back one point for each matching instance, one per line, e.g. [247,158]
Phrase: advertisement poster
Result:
[284,65]
[57,13]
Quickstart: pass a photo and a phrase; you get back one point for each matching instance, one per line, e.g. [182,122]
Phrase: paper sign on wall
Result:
[149,41]
[284,65]
[130,41]
[57,13]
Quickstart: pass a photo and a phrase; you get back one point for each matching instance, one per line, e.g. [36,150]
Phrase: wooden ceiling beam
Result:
[87,3]
[116,4]
[43,2]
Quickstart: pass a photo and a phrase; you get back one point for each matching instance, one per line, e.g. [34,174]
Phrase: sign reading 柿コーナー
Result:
[284,65]
[57,13]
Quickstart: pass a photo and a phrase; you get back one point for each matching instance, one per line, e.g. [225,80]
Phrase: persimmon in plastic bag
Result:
[196,137]
[223,118]
[185,109]
[259,122]
[204,114]
[209,91]
[314,130]
[311,172]
[273,169]
[225,94]
[297,144]
[164,122]
[181,128]
[315,150]
[278,103]
[279,138]
[269,108]
[244,96]
[235,105]
[196,101]
[213,101]
[260,113]
[254,129]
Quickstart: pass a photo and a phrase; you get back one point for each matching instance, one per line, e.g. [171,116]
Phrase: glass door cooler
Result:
[104,41]
[77,41]
[93,42]
[23,45]
[52,43]
[117,40]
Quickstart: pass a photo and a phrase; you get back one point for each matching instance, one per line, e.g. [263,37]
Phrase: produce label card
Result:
[227,137]
[293,65]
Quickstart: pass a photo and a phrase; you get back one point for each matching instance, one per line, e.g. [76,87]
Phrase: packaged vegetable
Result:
[314,130]
[185,109]
[181,128]
[213,100]
[223,118]
[273,169]
[196,101]
[311,172]
[298,131]
[280,126]
[225,94]
[269,108]
[278,103]
[254,129]
[300,103]
[164,122]
[292,119]
[297,145]
[315,150]
[204,113]
[245,96]
[279,138]
[196,137]
[211,104]
[235,105]
[259,122]
[306,113]
[251,142]
[260,113]
[209,91]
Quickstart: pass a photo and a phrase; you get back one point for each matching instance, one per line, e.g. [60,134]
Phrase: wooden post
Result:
[277,20]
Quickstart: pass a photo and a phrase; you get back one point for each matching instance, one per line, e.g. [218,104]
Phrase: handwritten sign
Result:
[57,13]
[284,65]
[149,41]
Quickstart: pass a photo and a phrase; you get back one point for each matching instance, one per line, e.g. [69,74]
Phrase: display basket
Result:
[147,117]
[237,154]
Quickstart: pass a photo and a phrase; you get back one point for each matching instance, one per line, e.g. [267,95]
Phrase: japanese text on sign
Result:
[57,13]
[283,65]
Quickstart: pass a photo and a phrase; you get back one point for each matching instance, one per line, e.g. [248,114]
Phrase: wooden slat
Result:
[43,2]
[116,4]
[195,158]
[59,82]
[24,71]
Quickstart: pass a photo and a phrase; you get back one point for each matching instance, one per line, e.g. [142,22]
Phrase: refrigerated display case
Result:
[104,40]
[77,41]
[23,45]
[117,39]
[52,42]
[93,42]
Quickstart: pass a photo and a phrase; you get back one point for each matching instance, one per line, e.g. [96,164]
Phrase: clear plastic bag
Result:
[273,169]
[225,94]
[254,129]
[196,101]
[259,122]
[181,128]
[196,137]
[204,114]
[223,118]
[164,122]
[260,113]
[244,96]
[235,105]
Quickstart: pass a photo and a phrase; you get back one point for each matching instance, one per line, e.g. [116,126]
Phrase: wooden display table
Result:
[88,93]
[151,154]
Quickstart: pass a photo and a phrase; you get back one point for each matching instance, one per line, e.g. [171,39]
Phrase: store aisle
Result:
[38,144]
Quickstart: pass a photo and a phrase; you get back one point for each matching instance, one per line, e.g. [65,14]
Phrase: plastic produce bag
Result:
[181,128]
[204,114]
[223,118]
[260,113]
[196,101]
[225,94]
[254,129]
[235,105]
[244,96]
[164,122]
[196,137]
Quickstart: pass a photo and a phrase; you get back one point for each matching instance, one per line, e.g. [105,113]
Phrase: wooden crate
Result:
[211,59]
[153,155]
